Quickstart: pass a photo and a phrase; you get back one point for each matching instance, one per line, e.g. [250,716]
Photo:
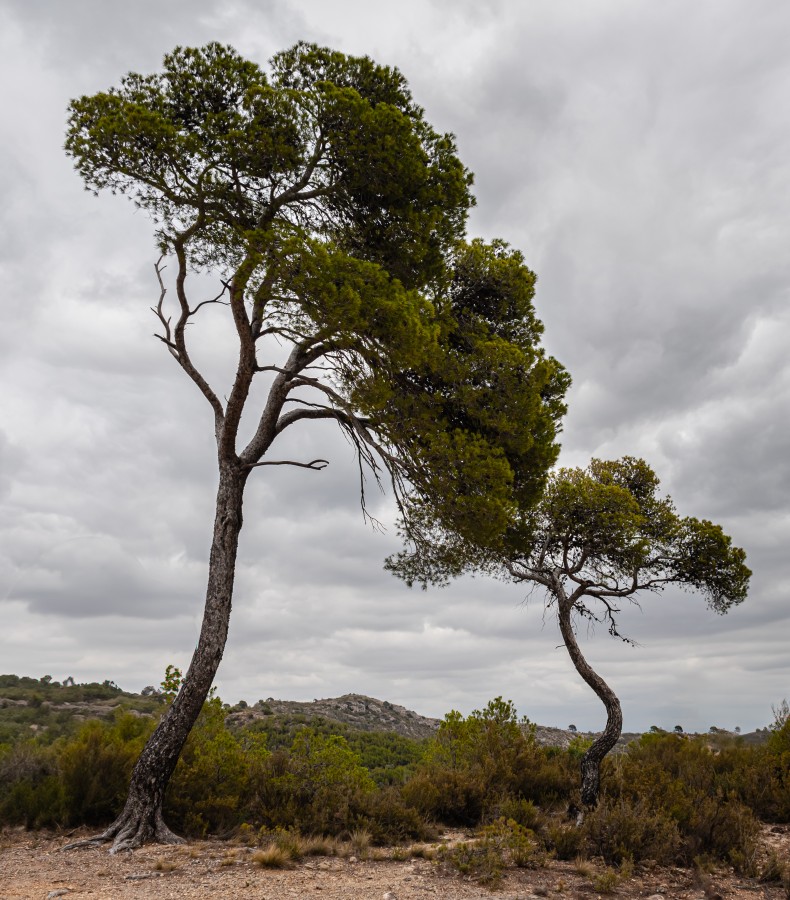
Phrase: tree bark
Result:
[141,820]
[592,759]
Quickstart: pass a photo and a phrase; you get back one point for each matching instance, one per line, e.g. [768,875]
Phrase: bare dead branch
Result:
[157,310]
[170,346]
[178,335]
[317,464]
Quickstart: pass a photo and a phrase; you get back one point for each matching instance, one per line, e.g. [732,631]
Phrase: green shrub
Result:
[668,797]
[777,763]
[697,787]
[522,811]
[525,850]
[605,882]
[391,820]
[76,780]
[475,859]
[476,764]
[566,841]
[447,795]
[502,844]
[34,804]
[209,788]
[620,830]
[318,787]
[96,765]
[389,758]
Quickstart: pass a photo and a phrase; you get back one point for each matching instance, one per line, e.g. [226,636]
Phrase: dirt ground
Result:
[33,868]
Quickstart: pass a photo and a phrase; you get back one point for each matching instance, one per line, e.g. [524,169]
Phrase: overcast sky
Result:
[638,153]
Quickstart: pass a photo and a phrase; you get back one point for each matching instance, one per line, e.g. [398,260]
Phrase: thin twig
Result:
[217,299]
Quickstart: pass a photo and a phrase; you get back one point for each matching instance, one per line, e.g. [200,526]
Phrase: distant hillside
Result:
[31,706]
[368,714]
[354,710]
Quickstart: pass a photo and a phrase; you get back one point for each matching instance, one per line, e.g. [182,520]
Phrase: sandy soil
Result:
[33,868]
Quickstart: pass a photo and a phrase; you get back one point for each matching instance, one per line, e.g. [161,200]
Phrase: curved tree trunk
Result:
[592,759]
[141,820]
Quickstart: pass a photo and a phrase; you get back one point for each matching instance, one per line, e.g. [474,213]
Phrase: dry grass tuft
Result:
[165,865]
[360,840]
[319,846]
[273,857]
[422,851]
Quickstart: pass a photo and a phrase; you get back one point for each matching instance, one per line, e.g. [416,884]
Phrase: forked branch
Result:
[175,339]
[217,299]
[158,311]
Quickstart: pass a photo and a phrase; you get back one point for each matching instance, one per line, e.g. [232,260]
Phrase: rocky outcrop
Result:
[355,710]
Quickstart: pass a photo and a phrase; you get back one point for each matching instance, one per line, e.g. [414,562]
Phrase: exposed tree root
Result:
[131,830]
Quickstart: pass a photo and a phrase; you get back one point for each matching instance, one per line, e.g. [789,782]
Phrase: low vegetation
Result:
[304,788]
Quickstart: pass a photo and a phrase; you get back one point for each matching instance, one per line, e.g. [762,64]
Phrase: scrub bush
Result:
[318,786]
[208,790]
[502,844]
[475,766]
[696,786]
[621,830]
[95,767]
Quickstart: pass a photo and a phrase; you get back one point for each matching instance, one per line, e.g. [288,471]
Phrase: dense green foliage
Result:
[602,533]
[72,780]
[334,214]
[668,797]
[482,766]
[212,139]
[610,534]
[388,757]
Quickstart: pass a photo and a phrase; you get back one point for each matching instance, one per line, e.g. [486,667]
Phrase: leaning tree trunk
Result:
[141,820]
[592,759]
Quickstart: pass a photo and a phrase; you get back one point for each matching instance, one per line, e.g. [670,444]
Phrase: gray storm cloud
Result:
[636,153]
